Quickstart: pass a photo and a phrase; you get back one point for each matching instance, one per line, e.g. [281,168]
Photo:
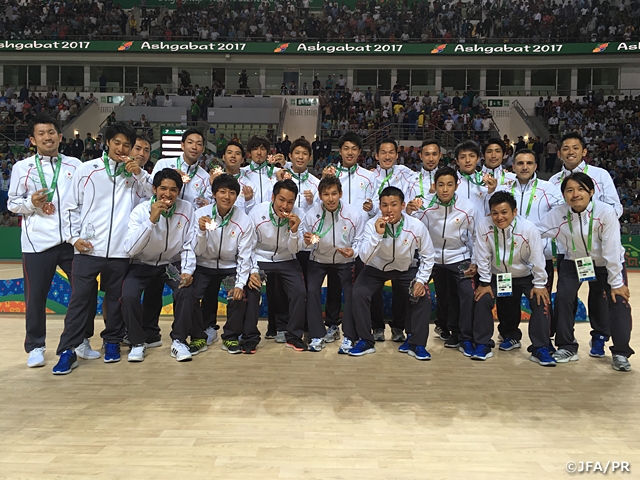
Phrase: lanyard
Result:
[385,181]
[319,231]
[256,167]
[477,181]
[299,176]
[513,242]
[277,223]
[586,168]
[388,232]
[590,236]
[421,186]
[167,214]
[43,180]
[191,174]
[533,192]
[225,221]
[342,169]
[435,199]
[118,171]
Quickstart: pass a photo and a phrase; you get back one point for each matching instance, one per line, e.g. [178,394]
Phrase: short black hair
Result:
[574,136]
[169,173]
[43,118]
[431,142]
[443,171]
[351,137]
[286,185]
[300,142]
[258,141]
[233,143]
[467,146]
[494,141]
[142,137]
[392,192]
[225,181]
[581,178]
[330,181]
[192,131]
[502,197]
[120,128]
[387,140]
[523,151]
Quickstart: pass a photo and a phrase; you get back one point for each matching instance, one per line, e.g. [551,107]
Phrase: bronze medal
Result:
[49,208]
[186,178]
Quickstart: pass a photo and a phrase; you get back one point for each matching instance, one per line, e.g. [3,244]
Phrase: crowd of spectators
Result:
[610,126]
[403,116]
[18,107]
[289,20]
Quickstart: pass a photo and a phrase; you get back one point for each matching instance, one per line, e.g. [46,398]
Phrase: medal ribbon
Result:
[119,170]
[477,181]
[389,232]
[277,223]
[191,174]
[437,200]
[342,169]
[43,180]
[169,213]
[319,231]
[256,167]
[590,235]
[586,167]
[385,181]
[226,220]
[497,244]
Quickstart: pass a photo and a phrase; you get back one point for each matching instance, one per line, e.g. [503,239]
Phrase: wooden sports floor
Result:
[280,414]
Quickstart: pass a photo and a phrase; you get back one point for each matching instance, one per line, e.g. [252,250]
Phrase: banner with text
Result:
[318,48]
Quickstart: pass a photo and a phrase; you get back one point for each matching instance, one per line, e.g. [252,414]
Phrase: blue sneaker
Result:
[404,348]
[361,348]
[543,357]
[111,352]
[68,361]
[419,352]
[467,348]
[509,344]
[597,346]
[482,352]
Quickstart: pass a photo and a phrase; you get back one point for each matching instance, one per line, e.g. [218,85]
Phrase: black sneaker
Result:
[249,347]
[270,335]
[442,333]
[297,344]
[452,342]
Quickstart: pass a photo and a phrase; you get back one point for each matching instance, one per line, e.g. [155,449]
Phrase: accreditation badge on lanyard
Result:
[505,284]
[584,265]
[585,269]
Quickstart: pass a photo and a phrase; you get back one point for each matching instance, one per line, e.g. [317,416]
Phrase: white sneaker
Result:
[156,344]
[346,346]
[137,353]
[563,355]
[212,335]
[281,337]
[333,334]
[85,351]
[36,357]
[180,351]
[316,345]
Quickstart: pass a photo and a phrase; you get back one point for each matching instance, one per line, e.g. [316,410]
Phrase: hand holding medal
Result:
[131,164]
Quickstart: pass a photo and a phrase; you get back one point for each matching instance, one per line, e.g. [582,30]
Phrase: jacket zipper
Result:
[166,241]
[334,236]
[444,227]
[219,248]
[113,201]
[504,255]
[582,234]
[58,209]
